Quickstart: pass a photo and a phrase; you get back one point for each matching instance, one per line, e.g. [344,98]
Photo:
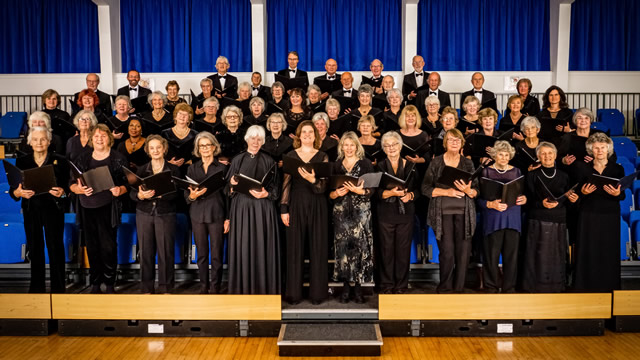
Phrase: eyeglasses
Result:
[454,140]
[276,122]
[387,146]
[84,119]
[232,117]
[205,146]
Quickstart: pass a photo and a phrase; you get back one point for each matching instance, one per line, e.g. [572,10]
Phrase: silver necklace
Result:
[547,176]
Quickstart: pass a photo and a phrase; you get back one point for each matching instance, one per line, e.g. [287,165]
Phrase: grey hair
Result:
[395,91]
[583,111]
[209,136]
[123,97]
[213,100]
[502,146]
[206,80]
[277,84]
[257,99]
[468,99]
[253,131]
[365,88]
[245,84]
[279,116]
[332,102]
[231,108]
[94,119]
[224,59]
[350,135]
[546,144]
[528,121]
[599,137]
[39,115]
[36,129]
[391,135]
[431,99]
[157,93]
[314,87]
[321,116]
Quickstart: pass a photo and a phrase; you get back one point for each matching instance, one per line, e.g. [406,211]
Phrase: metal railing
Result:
[627,103]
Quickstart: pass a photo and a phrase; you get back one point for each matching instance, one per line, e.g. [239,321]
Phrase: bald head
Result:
[434,81]
[376,67]
[331,66]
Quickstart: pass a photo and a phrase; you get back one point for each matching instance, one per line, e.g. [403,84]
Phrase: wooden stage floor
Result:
[611,346]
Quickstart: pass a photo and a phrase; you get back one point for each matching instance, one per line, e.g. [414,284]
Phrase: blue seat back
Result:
[626,205]
[127,239]
[434,252]
[624,240]
[13,243]
[600,126]
[624,147]
[3,174]
[11,124]
[614,119]
[7,204]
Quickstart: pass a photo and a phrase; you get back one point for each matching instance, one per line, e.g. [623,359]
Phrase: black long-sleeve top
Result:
[548,124]
[212,207]
[115,161]
[159,205]
[557,181]
[392,210]
[44,202]
[291,183]
[75,149]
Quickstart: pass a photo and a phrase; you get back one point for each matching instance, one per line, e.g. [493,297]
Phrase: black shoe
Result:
[346,289]
[110,289]
[293,302]
[95,289]
[400,291]
[387,291]
[316,302]
[204,290]
[357,297]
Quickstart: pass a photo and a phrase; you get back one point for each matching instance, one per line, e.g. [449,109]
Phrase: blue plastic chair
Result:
[623,146]
[7,204]
[600,126]
[11,125]
[625,240]
[629,168]
[626,205]
[415,241]
[127,239]
[634,220]
[3,174]
[434,252]
[13,247]
[614,119]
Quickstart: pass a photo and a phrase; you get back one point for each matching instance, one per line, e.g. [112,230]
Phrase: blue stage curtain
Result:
[49,36]
[605,35]
[488,35]
[352,32]
[185,36]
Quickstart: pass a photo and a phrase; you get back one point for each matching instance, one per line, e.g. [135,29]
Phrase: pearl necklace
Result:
[547,176]
[498,170]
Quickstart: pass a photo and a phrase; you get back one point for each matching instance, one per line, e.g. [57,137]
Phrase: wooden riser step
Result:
[330,339]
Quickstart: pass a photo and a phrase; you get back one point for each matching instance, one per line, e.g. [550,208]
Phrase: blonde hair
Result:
[350,135]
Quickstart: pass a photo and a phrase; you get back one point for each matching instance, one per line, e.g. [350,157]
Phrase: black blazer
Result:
[299,73]
[142,91]
[324,77]
[488,100]
[409,84]
[264,92]
[105,101]
[443,96]
[231,83]
[354,93]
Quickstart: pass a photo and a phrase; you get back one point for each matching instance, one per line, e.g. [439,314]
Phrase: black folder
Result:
[290,166]
[524,157]
[226,91]
[377,155]
[342,124]
[600,181]
[140,104]
[370,180]
[379,103]
[62,127]
[242,105]
[214,128]
[246,183]
[195,102]
[544,190]
[292,83]
[39,180]
[182,151]
[273,108]
[161,183]
[99,179]
[318,107]
[390,181]
[212,183]
[479,144]
[346,103]
[74,106]
[451,174]
[138,157]
[464,125]
[507,193]
[328,86]
[417,151]
[373,83]
[151,126]
[118,126]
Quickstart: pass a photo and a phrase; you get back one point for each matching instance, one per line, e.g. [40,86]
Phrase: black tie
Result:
[255,88]
[347,92]
[477,92]
[223,77]
[432,93]
[133,89]
[331,77]
[419,74]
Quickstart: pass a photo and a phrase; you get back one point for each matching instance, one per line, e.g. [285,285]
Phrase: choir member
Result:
[206,85]
[367,127]
[501,223]
[347,87]
[328,144]
[44,213]
[84,121]
[376,68]
[259,90]
[432,124]
[448,120]
[256,115]
[244,91]
[388,83]
[390,116]
[122,105]
[134,147]
[180,134]
[414,80]
[88,100]
[101,211]
[133,90]
[597,266]
[254,245]
[42,119]
[159,118]
[513,118]
[298,111]
[51,102]
[332,108]
[331,66]
[365,95]
[530,127]
[208,212]
[411,134]
[276,143]
[156,221]
[434,81]
[210,121]
[231,137]
[314,100]
[226,83]
[485,97]
[452,213]
[304,212]
[292,71]
[173,89]
[530,104]
[353,238]
[93,80]
[470,108]
[278,97]
[546,239]
[395,209]
[555,117]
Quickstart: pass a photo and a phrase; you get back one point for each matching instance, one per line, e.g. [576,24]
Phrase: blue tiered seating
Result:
[432,243]
[127,239]
[3,175]
[7,204]
[12,124]
[625,240]
[600,126]
[416,256]
[614,119]
[13,242]
[626,205]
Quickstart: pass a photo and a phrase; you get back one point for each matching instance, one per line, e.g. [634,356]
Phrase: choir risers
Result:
[330,339]
[626,310]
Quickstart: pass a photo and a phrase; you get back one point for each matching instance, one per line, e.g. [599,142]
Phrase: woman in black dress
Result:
[84,121]
[133,148]
[208,212]
[470,122]
[180,137]
[88,100]
[333,112]
[210,121]
[555,118]
[298,111]
[395,209]
[156,221]
[514,118]
[254,242]
[101,211]
[353,234]
[276,144]
[546,240]
[526,158]
[530,104]
[173,90]
[329,145]
[257,115]
[278,98]
[431,123]
[305,214]
[159,118]
[44,213]
[366,128]
[597,266]
[231,137]
[51,101]
[365,96]
[410,123]
[119,122]
[42,119]
[452,213]
[315,103]
[390,117]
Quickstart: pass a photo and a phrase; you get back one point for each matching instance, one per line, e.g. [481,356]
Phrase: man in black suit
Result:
[257,89]
[224,85]
[93,80]
[347,87]
[331,66]
[292,71]
[486,97]
[414,80]
[376,68]
[134,90]
[434,82]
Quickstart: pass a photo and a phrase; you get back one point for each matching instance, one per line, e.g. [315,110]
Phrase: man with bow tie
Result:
[414,80]
[257,89]
[331,66]
[224,84]
[376,68]
[434,81]
[347,87]
[486,97]
[133,90]
[292,71]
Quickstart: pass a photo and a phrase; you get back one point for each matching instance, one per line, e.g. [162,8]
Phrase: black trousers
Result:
[503,241]
[201,234]
[156,233]
[454,254]
[38,225]
[102,246]
[395,254]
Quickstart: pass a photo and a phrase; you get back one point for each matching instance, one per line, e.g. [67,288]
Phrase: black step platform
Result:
[330,339]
